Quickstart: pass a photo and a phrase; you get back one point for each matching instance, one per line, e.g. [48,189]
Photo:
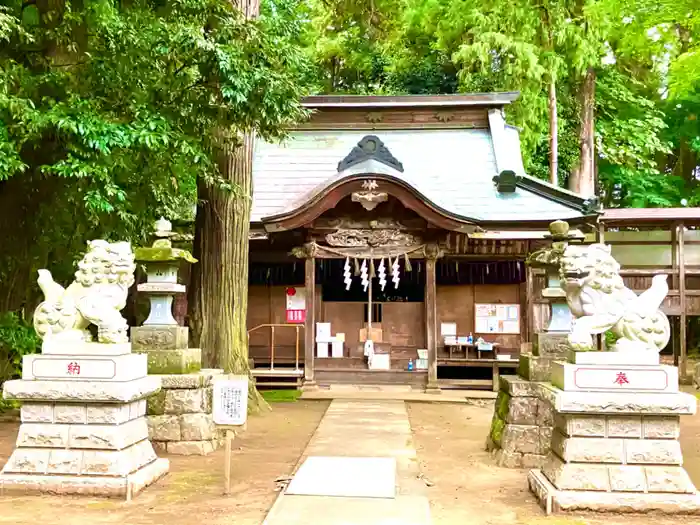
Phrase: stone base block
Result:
[81,391]
[80,462]
[179,416]
[554,500]
[672,479]
[159,337]
[517,459]
[551,344]
[521,429]
[648,428]
[80,413]
[535,368]
[624,403]
[192,448]
[202,379]
[89,485]
[612,378]
[183,361]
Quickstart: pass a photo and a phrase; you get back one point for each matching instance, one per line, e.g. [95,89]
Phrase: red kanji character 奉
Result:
[621,379]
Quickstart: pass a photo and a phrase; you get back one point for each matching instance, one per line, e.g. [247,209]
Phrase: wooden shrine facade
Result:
[396,219]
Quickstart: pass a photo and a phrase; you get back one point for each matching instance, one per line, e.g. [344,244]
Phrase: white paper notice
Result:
[230,401]
[448,329]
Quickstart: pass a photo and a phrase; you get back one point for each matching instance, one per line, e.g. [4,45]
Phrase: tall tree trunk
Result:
[221,243]
[553,135]
[582,178]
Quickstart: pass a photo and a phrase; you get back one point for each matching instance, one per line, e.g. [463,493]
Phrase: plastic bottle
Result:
[470,339]
[410,365]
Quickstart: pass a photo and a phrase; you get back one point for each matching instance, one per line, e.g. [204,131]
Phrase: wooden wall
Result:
[268,305]
[403,324]
[455,304]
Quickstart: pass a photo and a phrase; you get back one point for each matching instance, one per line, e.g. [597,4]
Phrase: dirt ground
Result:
[470,490]
[192,492]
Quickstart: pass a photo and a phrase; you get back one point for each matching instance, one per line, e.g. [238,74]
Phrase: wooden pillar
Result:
[600,238]
[675,321]
[431,331]
[310,323]
[530,303]
[683,369]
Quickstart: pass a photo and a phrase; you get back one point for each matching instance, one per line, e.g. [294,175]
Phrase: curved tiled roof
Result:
[452,169]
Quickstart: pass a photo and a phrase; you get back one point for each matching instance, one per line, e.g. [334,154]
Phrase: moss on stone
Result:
[156,404]
[502,403]
[184,361]
[162,254]
[497,427]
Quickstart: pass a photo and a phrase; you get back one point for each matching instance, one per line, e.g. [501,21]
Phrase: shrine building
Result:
[406,221]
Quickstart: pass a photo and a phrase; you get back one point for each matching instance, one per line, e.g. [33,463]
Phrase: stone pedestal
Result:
[167,349]
[547,347]
[83,425]
[521,428]
[179,416]
[615,440]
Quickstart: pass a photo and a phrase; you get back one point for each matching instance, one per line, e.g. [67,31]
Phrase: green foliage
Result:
[110,112]
[610,339]
[645,55]
[281,396]
[17,339]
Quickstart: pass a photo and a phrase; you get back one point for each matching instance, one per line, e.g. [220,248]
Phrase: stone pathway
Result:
[361,429]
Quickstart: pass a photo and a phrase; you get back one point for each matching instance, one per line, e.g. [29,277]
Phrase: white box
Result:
[323,331]
[422,354]
[337,348]
[321,349]
[421,364]
[380,362]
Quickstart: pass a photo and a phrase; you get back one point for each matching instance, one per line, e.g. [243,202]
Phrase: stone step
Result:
[369,388]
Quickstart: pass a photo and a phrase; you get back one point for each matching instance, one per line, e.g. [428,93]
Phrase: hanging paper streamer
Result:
[395,272]
[347,277]
[363,274]
[382,274]
[407,262]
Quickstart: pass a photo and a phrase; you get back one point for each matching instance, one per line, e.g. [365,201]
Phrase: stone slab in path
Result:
[345,477]
[355,435]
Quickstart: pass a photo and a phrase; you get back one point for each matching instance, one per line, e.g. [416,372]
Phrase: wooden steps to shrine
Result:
[278,378]
[355,376]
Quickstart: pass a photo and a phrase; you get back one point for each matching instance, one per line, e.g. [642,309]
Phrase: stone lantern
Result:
[551,344]
[165,342]
[561,318]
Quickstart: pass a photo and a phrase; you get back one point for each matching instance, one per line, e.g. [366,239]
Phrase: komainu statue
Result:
[95,297]
[600,301]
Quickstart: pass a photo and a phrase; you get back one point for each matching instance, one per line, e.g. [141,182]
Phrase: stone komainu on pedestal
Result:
[616,414]
[83,425]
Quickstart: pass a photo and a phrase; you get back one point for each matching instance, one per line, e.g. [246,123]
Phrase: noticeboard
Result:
[230,401]
[497,319]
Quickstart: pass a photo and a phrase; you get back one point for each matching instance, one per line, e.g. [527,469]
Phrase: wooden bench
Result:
[494,364]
